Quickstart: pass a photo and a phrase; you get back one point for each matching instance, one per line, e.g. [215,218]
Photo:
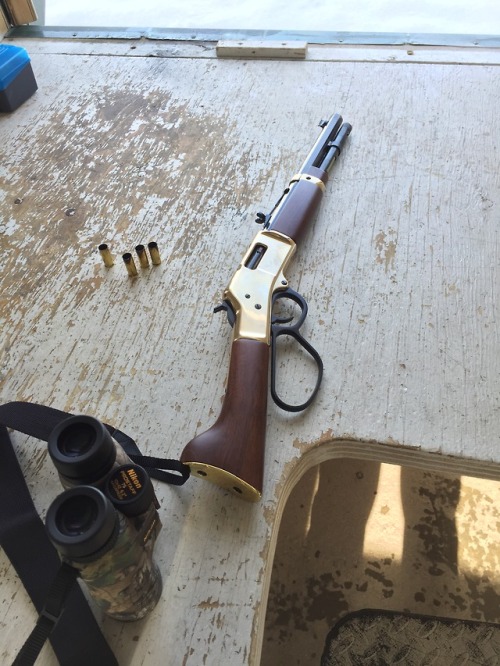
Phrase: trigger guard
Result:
[294,296]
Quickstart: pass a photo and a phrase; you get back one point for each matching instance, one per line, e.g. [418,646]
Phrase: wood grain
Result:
[236,441]
[298,210]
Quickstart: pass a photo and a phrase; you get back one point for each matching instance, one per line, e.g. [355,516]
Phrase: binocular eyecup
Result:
[82,523]
[81,448]
[105,524]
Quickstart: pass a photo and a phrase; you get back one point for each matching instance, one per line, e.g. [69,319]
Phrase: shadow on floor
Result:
[358,534]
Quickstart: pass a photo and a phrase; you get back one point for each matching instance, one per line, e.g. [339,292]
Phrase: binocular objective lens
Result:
[76,439]
[76,516]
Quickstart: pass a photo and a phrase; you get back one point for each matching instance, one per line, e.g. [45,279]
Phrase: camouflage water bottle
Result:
[84,452]
[113,552]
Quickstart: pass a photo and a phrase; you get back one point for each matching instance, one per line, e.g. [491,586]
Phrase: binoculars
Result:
[106,522]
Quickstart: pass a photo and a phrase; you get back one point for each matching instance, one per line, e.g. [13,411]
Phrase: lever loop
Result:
[277,329]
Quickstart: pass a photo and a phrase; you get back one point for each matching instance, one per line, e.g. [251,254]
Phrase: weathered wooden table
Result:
[131,141]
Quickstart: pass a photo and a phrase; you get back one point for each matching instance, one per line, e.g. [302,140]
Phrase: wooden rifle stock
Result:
[231,452]
[294,216]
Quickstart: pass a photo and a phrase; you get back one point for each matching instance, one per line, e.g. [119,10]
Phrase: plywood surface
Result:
[400,271]
[357,534]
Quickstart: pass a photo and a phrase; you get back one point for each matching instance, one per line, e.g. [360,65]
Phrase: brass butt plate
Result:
[225,480]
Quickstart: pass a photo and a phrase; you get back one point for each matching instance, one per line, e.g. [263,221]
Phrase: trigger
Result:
[228,309]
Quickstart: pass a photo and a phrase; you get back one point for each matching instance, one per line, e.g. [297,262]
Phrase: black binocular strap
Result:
[75,635]
[39,421]
[76,638]
[52,610]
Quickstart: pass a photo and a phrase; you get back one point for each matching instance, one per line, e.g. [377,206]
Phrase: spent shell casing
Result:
[143,257]
[155,254]
[106,255]
[128,260]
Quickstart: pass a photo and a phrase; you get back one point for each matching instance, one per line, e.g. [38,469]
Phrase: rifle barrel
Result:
[335,147]
[328,145]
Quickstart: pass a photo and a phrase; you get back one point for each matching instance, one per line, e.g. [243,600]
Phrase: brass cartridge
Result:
[106,255]
[143,257]
[155,255]
[128,260]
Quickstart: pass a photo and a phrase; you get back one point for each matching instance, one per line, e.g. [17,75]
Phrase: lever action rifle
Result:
[231,452]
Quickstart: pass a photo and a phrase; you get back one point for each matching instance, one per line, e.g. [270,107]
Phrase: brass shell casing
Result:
[143,257]
[106,255]
[128,260]
[155,255]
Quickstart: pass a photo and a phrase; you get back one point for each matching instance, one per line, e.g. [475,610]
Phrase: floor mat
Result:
[380,638]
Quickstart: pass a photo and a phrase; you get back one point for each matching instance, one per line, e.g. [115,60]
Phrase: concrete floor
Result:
[358,534]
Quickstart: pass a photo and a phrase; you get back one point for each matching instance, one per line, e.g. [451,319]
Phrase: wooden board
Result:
[359,534]
[400,270]
[4,23]
[21,11]
[261,49]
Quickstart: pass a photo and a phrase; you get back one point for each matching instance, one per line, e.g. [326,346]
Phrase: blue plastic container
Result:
[17,81]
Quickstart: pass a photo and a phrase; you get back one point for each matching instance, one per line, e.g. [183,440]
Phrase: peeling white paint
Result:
[186,156]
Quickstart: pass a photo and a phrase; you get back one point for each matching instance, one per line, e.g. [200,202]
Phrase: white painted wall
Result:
[432,16]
